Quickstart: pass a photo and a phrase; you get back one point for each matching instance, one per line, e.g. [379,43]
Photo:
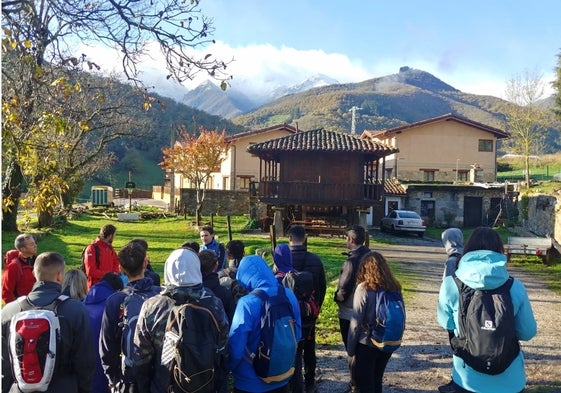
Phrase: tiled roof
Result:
[500,134]
[394,187]
[322,140]
[244,134]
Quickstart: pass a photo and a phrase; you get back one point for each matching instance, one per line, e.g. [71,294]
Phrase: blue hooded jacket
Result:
[253,273]
[483,269]
[282,259]
[95,304]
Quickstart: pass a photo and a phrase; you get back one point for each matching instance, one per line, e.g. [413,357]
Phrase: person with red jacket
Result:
[18,278]
[107,261]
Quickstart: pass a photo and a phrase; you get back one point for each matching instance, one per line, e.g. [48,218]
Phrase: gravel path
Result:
[424,360]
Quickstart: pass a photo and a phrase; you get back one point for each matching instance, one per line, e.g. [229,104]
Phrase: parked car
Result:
[403,221]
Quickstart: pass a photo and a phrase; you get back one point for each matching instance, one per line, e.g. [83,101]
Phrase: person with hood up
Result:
[453,242]
[183,282]
[483,267]
[95,304]
[254,273]
[282,259]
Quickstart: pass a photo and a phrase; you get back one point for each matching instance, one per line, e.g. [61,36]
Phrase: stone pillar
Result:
[277,221]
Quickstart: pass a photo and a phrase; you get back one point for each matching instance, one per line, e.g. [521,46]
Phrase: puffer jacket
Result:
[253,273]
[484,269]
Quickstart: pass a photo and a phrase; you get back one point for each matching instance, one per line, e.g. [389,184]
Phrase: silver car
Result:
[403,221]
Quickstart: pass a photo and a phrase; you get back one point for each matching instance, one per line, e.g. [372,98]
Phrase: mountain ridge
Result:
[385,102]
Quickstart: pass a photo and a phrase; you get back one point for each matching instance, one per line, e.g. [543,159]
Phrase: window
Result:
[244,182]
[463,175]
[428,175]
[485,145]
[393,205]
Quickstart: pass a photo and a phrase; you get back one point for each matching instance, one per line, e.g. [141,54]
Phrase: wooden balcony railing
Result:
[331,193]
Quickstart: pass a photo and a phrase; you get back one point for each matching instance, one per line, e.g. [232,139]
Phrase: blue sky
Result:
[475,46]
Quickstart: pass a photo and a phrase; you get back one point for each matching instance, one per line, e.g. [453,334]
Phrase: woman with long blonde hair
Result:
[75,284]
[374,276]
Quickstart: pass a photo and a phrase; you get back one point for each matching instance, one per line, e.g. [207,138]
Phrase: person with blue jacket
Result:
[95,304]
[253,272]
[209,242]
[483,266]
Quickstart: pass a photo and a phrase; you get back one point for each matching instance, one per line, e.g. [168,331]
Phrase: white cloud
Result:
[264,67]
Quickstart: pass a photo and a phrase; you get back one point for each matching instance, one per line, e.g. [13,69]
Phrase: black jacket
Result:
[75,355]
[347,282]
[310,262]
[212,282]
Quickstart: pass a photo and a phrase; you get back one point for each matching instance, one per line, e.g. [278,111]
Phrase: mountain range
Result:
[234,101]
[389,101]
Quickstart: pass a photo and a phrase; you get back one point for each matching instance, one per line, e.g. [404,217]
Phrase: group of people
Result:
[221,279]
[124,302]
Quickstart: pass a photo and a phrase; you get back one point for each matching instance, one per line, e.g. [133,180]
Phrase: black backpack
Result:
[191,348]
[83,256]
[302,284]
[487,341]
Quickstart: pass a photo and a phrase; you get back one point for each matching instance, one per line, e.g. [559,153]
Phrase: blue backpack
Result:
[387,331]
[273,360]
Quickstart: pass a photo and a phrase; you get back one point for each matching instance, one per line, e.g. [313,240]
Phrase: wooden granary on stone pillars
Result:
[321,179]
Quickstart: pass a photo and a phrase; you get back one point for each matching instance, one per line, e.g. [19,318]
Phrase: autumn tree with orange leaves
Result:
[196,157]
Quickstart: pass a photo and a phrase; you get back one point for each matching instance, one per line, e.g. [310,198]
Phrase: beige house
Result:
[444,149]
[240,167]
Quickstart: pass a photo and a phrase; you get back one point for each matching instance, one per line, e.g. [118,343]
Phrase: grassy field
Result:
[165,235]
[546,167]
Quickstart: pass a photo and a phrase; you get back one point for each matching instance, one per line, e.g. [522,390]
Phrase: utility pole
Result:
[353,119]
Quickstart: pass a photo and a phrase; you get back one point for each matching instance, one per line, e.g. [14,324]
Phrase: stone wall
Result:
[220,202]
[544,216]
[449,203]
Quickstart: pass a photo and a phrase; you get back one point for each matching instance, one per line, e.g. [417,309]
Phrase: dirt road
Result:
[424,360]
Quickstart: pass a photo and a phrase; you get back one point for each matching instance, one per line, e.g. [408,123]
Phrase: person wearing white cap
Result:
[182,284]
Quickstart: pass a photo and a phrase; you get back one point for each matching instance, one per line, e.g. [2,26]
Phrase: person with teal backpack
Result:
[262,351]
[378,321]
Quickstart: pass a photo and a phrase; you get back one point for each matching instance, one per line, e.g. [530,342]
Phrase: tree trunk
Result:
[527,167]
[67,199]
[11,191]
[198,213]
[199,205]
[45,219]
